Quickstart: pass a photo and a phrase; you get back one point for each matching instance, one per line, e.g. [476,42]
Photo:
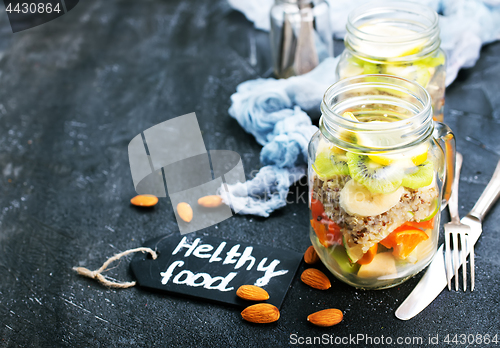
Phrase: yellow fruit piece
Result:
[415,72]
[412,51]
[432,62]
[417,155]
[383,264]
[337,150]
[349,116]
[327,147]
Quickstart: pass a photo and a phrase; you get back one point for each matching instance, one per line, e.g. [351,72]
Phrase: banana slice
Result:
[356,199]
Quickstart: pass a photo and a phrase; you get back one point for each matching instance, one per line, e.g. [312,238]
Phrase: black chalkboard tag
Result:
[213,268]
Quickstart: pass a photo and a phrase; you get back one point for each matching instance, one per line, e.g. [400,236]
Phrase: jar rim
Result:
[412,130]
[429,23]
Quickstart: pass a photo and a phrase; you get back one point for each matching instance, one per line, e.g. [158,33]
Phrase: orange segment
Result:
[320,230]
[316,208]
[408,241]
[422,224]
[404,239]
[389,241]
[334,234]
[369,255]
[327,231]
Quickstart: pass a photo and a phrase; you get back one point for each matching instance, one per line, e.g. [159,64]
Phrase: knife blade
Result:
[434,279]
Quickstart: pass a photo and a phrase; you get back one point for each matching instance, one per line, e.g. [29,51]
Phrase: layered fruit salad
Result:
[374,216]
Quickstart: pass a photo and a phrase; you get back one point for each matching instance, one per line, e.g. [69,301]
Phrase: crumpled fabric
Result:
[266,192]
[285,135]
[274,111]
[465,25]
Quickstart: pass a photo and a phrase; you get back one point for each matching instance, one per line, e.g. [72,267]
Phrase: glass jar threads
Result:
[396,38]
[376,172]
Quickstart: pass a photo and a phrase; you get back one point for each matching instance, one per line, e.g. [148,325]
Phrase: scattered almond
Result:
[326,317]
[210,201]
[252,293]
[311,256]
[316,279]
[185,211]
[261,313]
[144,200]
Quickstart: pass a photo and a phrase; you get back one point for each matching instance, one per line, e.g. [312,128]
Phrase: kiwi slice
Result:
[328,164]
[376,177]
[420,176]
[370,68]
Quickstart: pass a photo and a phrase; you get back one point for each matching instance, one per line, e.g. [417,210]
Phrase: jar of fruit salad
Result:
[396,38]
[377,168]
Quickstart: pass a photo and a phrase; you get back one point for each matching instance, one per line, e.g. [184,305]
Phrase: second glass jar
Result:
[396,38]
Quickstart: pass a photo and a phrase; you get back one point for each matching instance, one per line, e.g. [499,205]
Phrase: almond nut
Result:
[316,279]
[261,313]
[252,293]
[144,200]
[326,317]
[210,201]
[311,256]
[185,211]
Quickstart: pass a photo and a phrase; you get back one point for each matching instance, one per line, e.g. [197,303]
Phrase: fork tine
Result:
[464,243]
[472,275]
[447,256]
[455,258]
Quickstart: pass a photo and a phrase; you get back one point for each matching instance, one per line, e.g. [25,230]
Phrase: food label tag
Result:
[213,268]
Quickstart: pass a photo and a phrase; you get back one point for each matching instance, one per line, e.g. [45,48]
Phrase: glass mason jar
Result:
[396,38]
[377,168]
[301,36]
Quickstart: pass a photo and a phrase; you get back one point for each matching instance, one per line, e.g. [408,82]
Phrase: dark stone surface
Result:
[76,90]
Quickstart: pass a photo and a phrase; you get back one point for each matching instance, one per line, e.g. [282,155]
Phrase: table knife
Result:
[434,279]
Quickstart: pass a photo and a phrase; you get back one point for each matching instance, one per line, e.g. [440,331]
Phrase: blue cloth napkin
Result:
[272,111]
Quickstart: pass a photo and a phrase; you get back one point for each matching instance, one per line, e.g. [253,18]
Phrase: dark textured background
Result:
[75,91]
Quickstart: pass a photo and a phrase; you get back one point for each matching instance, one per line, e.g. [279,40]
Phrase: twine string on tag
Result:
[97,274]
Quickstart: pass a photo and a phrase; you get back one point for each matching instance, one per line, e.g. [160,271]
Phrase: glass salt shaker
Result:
[301,36]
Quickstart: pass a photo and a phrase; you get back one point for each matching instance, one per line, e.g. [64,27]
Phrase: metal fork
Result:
[458,232]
